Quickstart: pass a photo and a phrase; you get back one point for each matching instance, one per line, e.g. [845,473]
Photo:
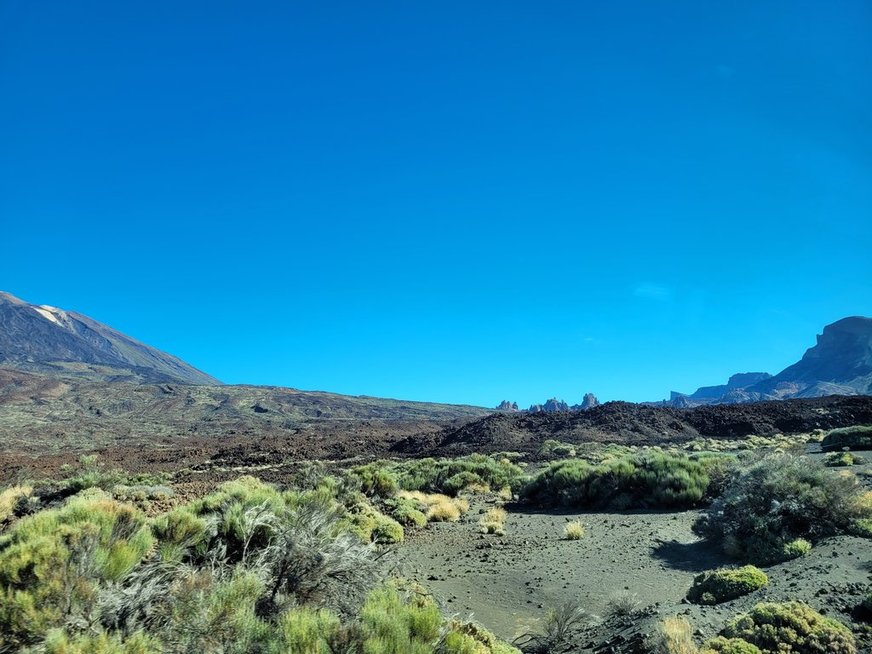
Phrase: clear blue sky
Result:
[451,201]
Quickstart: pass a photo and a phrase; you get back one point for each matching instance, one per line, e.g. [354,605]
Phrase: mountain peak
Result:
[44,338]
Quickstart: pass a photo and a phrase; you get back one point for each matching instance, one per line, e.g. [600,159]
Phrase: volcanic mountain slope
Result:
[40,338]
[41,413]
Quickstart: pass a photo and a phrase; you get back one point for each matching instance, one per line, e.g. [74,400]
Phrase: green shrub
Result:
[856,438]
[777,500]
[839,459]
[726,584]
[461,481]
[471,638]
[376,479]
[306,631]
[554,448]
[371,525]
[796,548]
[395,625]
[207,614]
[59,642]
[647,480]
[53,562]
[178,531]
[721,645]
[791,627]
[450,476]
[406,511]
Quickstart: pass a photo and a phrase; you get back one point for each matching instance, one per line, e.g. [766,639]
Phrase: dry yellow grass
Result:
[494,521]
[9,498]
[573,530]
[674,636]
[505,493]
[440,508]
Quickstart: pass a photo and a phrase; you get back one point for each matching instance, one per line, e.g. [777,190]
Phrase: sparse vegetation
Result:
[778,500]
[622,605]
[246,568]
[558,630]
[724,585]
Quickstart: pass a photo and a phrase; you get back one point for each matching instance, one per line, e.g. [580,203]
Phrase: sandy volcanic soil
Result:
[509,582]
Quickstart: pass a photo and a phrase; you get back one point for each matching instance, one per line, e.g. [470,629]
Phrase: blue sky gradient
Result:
[460,202]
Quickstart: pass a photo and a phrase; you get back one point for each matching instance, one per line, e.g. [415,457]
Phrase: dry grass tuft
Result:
[494,521]
[674,636]
[439,508]
[573,530]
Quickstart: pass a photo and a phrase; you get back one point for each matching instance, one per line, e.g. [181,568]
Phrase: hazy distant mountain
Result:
[737,382]
[40,338]
[840,363]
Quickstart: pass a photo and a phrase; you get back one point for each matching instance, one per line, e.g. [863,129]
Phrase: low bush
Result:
[839,459]
[778,500]
[60,642]
[371,525]
[306,631]
[392,624]
[439,508]
[554,448]
[721,645]
[471,638]
[652,480]
[451,476]
[858,437]
[493,521]
[796,548]
[376,479]
[406,511]
[559,633]
[790,627]
[622,605]
[727,584]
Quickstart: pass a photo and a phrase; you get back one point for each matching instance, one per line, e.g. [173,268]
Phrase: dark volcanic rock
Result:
[642,424]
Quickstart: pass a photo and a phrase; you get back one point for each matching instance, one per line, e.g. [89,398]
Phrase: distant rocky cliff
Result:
[840,363]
